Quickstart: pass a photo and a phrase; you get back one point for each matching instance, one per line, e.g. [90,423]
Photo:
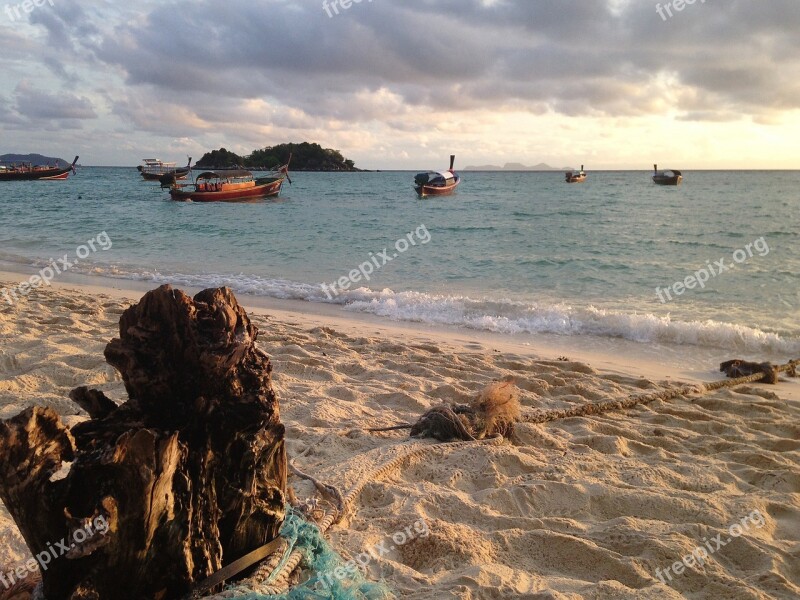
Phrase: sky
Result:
[402,84]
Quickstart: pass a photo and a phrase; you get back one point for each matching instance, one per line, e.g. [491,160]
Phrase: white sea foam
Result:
[496,315]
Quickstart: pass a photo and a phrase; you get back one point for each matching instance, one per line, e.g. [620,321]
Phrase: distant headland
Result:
[305,157]
[34,159]
[516,167]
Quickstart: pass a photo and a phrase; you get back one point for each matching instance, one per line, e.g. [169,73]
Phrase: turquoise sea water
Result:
[510,252]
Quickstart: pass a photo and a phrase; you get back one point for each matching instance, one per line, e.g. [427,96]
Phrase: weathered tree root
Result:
[189,473]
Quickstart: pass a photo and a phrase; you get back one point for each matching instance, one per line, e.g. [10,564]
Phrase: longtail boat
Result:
[575,176]
[30,172]
[437,183]
[667,177]
[231,186]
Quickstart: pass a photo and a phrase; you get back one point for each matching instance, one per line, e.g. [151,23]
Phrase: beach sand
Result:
[579,508]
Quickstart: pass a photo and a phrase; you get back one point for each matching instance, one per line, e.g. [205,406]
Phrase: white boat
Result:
[155,169]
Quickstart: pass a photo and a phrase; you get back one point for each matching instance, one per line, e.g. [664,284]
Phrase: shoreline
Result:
[661,362]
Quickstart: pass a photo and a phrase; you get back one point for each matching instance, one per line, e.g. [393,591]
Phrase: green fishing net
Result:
[331,579]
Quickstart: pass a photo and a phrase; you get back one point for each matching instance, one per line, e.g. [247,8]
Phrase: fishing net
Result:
[330,578]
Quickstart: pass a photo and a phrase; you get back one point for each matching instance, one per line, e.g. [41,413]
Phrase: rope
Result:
[594,408]
[238,566]
[330,491]
[276,571]
[597,408]
[279,580]
[414,451]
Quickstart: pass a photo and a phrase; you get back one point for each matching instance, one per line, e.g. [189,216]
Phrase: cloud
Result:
[251,68]
[38,105]
[465,55]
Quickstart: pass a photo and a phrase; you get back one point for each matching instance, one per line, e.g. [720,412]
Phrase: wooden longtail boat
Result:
[575,177]
[31,173]
[437,183]
[667,177]
[231,186]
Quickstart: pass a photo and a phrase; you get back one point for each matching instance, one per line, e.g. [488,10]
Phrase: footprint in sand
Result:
[84,362]
[8,363]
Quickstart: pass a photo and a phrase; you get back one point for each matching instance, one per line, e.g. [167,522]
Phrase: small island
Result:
[305,157]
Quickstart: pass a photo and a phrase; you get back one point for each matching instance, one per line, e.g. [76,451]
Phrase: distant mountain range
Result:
[35,159]
[516,167]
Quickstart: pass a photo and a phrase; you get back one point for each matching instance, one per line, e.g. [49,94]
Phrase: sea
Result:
[515,253]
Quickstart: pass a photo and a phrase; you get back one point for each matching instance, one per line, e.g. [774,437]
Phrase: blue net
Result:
[332,578]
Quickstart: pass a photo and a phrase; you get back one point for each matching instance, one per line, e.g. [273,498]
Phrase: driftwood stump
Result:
[188,475]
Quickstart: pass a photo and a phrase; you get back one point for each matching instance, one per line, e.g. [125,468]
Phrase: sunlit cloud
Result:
[505,80]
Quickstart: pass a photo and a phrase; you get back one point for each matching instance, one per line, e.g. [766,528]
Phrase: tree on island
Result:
[305,157]
[220,159]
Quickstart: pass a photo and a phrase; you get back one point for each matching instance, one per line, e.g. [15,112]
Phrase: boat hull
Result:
[260,190]
[433,190]
[576,179]
[676,180]
[43,175]
[177,174]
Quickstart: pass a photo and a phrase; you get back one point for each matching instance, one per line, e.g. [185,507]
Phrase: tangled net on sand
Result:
[493,412]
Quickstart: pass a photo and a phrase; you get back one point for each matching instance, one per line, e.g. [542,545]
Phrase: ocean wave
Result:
[511,317]
[495,315]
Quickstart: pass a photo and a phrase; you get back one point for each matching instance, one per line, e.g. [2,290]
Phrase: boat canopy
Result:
[434,178]
[232,174]
[657,172]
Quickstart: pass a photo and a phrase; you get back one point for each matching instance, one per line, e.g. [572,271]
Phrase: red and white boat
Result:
[437,183]
[231,186]
[575,176]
